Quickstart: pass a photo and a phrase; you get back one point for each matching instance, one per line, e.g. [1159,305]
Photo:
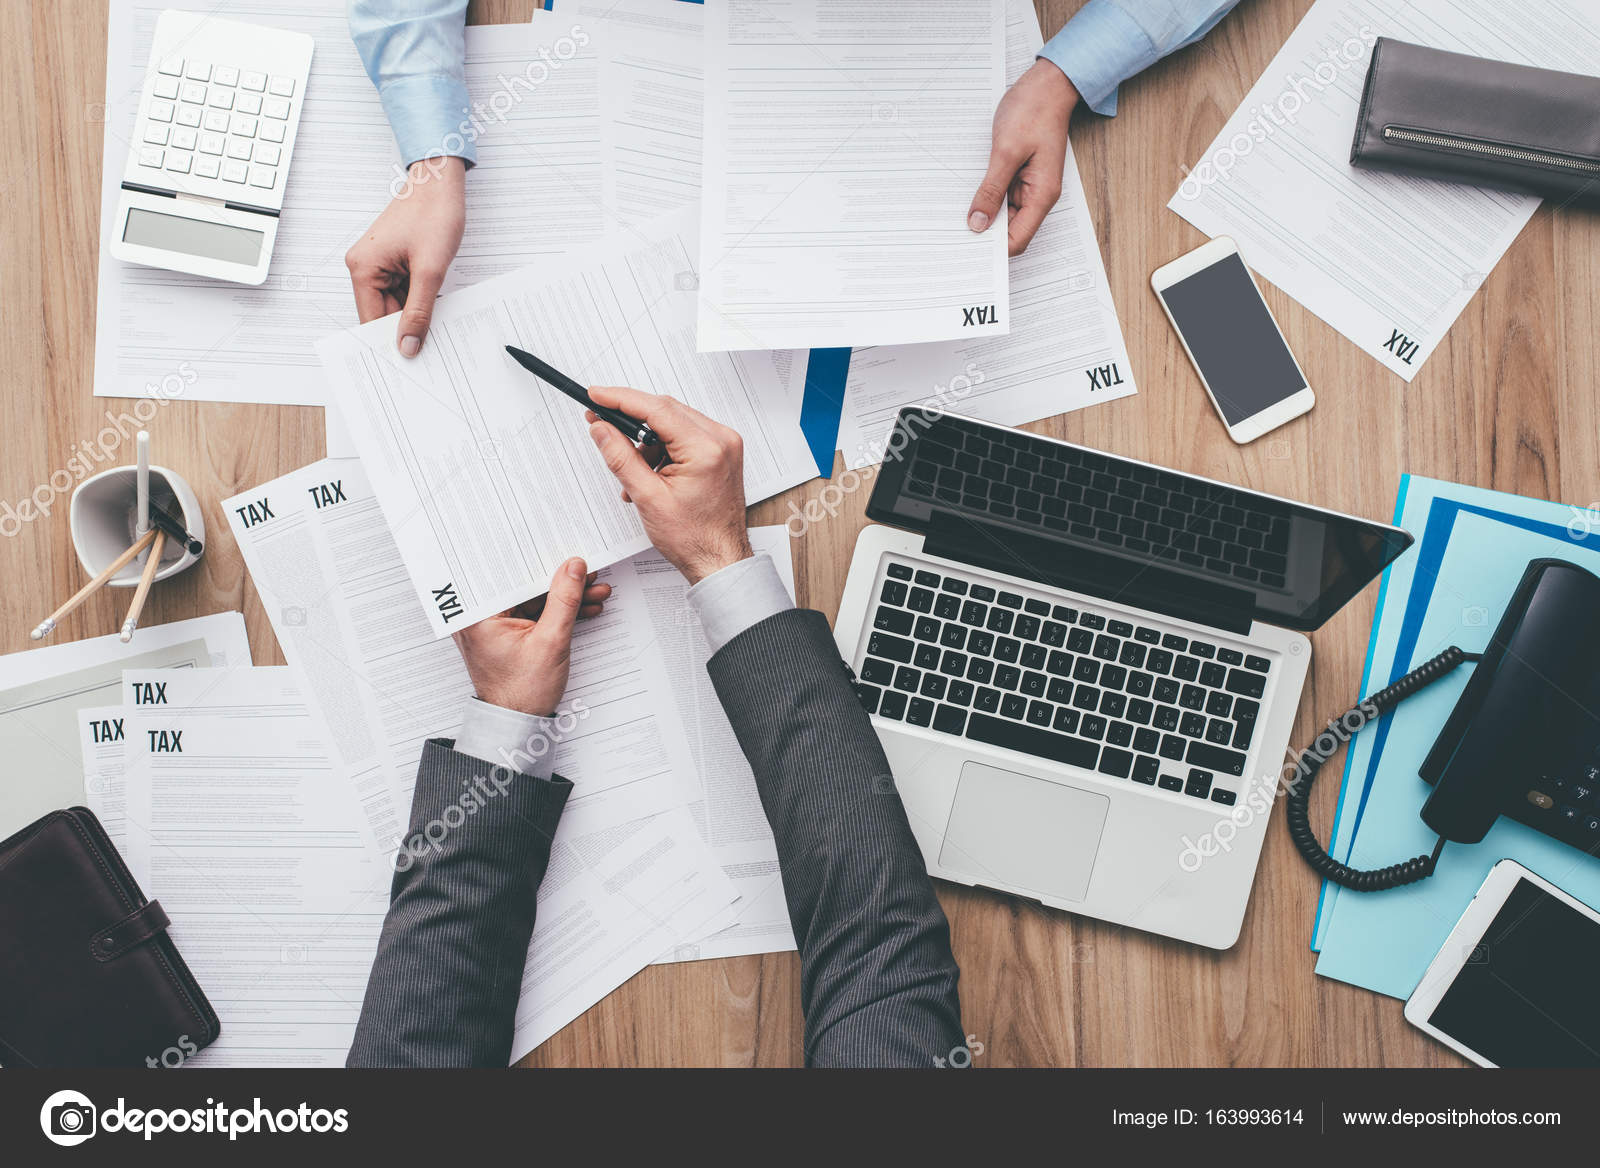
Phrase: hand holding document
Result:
[165,334]
[1065,349]
[1388,260]
[842,147]
[488,478]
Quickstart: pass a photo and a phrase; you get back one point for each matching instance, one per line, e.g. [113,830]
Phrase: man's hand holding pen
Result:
[692,504]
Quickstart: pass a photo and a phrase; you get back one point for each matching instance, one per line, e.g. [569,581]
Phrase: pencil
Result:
[131,622]
[47,625]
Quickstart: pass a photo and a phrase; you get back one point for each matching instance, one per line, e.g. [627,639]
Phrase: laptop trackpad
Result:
[1008,828]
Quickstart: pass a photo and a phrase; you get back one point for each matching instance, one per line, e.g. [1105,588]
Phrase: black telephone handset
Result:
[1522,741]
[1522,738]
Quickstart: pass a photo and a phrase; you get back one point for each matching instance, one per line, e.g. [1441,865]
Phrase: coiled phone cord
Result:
[1297,802]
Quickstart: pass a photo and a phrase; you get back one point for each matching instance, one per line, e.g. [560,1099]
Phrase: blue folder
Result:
[1449,588]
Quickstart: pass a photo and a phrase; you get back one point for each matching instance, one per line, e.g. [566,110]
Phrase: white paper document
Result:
[535,192]
[642,729]
[652,90]
[333,584]
[42,690]
[727,809]
[488,477]
[239,822]
[1389,260]
[1065,349]
[612,902]
[843,146]
[100,738]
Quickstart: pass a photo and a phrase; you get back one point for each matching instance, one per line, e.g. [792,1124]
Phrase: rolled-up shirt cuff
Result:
[431,117]
[1100,48]
[509,738]
[737,598]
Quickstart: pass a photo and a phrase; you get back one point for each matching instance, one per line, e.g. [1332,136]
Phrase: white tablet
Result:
[1513,985]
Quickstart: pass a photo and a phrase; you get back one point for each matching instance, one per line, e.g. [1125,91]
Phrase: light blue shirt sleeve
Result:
[728,602]
[415,52]
[1109,41]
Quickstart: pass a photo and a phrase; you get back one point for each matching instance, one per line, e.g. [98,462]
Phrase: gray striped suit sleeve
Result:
[443,989]
[878,979]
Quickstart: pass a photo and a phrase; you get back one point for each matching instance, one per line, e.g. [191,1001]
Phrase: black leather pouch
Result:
[88,975]
[1472,120]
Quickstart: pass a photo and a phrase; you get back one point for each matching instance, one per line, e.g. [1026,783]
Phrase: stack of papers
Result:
[224,790]
[1065,348]
[1450,588]
[488,476]
[649,743]
[42,690]
[228,808]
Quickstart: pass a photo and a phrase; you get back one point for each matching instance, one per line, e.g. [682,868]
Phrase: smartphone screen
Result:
[1524,998]
[1233,338]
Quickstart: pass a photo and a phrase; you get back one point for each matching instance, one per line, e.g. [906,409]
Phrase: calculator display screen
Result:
[196,237]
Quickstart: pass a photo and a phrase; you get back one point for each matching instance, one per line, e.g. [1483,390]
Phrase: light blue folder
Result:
[1449,589]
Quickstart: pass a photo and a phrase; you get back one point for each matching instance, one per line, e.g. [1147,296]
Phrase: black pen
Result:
[635,430]
[169,523]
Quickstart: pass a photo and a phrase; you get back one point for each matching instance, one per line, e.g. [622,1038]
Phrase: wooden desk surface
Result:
[1512,383]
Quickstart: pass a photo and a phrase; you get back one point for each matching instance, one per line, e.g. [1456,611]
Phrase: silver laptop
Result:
[1085,669]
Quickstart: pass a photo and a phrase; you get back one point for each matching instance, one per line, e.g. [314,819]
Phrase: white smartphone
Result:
[1513,985]
[1234,344]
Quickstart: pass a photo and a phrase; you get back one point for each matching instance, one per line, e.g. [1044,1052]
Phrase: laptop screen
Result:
[1123,530]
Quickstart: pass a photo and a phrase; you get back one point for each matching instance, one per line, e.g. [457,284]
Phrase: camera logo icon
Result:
[68,1118]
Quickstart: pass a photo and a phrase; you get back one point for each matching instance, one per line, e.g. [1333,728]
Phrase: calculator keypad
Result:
[217,122]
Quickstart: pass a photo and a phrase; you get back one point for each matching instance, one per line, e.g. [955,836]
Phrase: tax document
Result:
[237,822]
[100,737]
[536,123]
[333,584]
[1065,349]
[843,145]
[1389,260]
[42,690]
[488,477]
[727,808]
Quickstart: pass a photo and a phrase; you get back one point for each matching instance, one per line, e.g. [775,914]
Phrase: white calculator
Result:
[210,149]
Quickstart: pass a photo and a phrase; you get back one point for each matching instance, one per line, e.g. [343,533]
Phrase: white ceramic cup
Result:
[104,514]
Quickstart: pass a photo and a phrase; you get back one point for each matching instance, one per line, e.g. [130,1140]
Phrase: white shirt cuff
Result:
[737,598]
[508,738]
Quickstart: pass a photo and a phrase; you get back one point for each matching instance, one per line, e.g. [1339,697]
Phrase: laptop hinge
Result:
[1083,569]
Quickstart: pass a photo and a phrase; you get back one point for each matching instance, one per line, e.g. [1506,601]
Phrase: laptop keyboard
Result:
[1017,476]
[1089,689]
